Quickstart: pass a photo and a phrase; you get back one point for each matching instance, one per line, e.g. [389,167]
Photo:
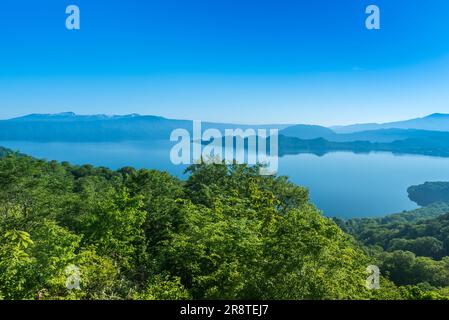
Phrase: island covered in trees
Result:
[226,232]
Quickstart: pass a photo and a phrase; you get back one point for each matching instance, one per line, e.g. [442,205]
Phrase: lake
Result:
[341,184]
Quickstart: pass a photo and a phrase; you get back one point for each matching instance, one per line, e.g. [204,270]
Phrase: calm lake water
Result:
[341,184]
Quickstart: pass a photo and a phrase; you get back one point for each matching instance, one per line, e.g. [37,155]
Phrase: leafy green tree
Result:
[15,264]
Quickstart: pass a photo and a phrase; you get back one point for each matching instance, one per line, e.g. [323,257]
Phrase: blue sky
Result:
[252,61]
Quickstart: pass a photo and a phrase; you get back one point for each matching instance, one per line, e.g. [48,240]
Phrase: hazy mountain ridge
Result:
[70,127]
[380,135]
[71,116]
[433,122]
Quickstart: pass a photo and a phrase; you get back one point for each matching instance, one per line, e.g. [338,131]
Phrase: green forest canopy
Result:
[225,233]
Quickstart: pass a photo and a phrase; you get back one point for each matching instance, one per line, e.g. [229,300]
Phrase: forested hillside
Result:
[225,233]
[412,248]
[429,192]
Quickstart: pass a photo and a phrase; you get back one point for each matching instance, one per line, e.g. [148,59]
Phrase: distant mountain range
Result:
[380,135]
[428,135]
[433,126]
[70,127]
[433,122]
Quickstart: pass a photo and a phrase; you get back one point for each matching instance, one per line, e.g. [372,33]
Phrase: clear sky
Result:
[252,61]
